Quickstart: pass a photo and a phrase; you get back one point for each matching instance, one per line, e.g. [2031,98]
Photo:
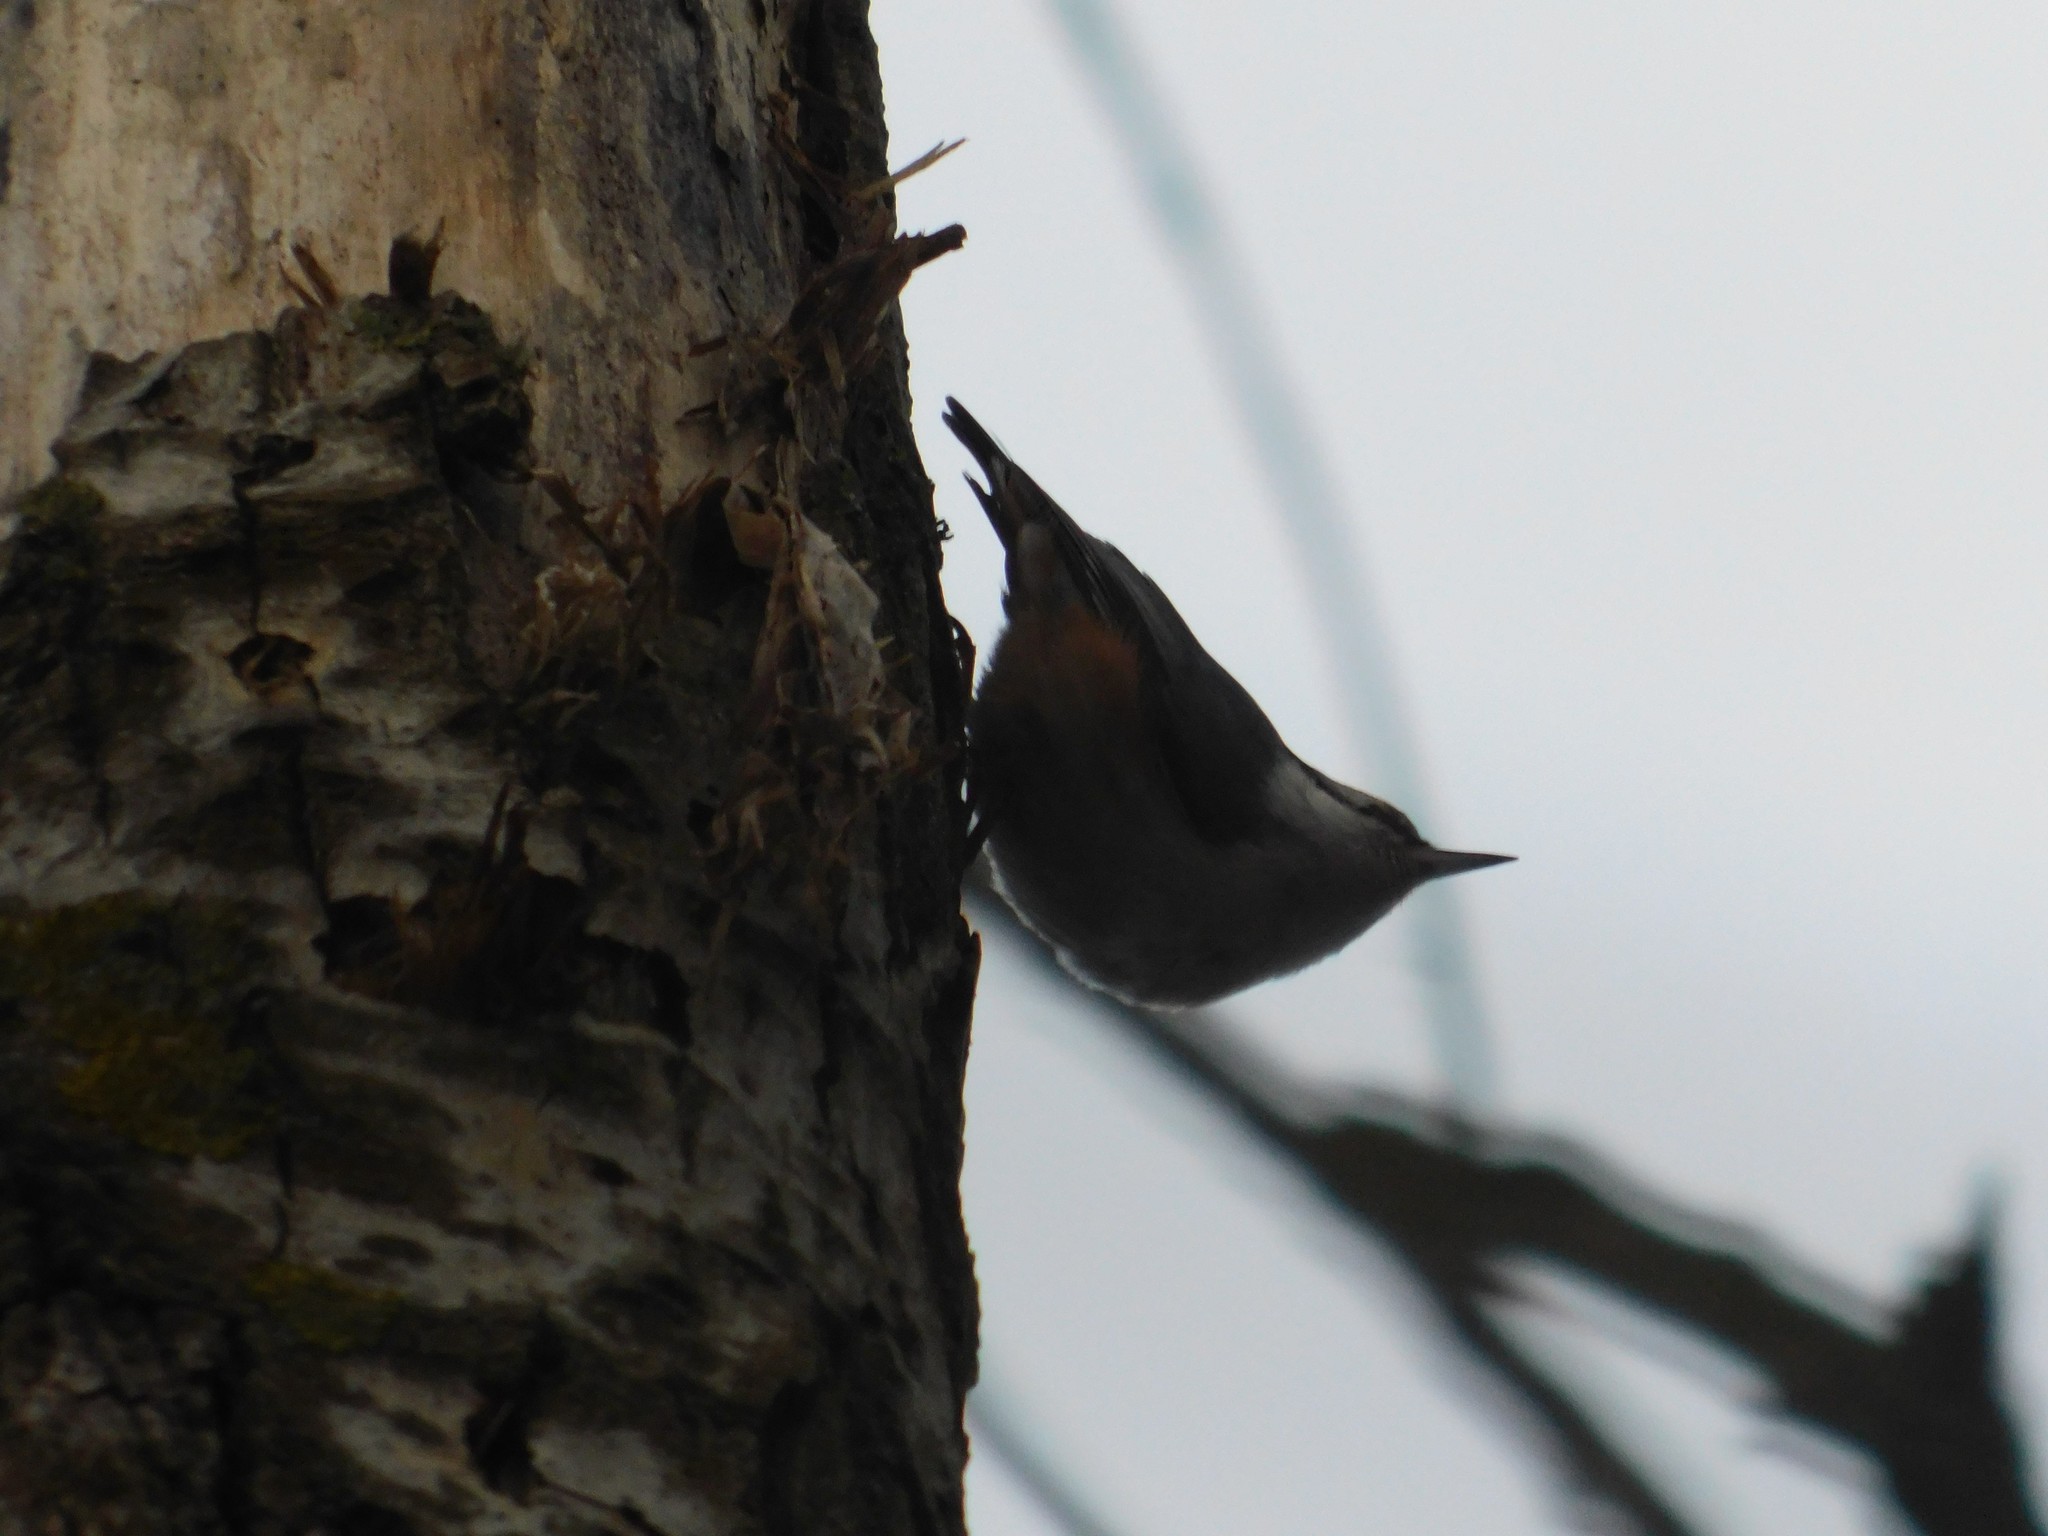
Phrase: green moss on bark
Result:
[333,1315]
[144,996]
[60,518]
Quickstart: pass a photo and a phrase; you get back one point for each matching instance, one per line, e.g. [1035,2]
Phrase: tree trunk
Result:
[483,996]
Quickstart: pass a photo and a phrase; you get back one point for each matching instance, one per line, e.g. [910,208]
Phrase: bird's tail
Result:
[1080,566]
[987,451]
[1005,514]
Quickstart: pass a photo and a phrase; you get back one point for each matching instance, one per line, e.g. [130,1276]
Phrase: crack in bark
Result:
[498,1433]
[290,769]
[73,557]
[236,1467]
[625,1511]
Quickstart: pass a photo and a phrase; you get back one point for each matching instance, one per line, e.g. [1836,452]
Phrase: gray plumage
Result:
[1143,816]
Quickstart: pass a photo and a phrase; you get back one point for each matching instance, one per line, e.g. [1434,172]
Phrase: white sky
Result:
[1685,367]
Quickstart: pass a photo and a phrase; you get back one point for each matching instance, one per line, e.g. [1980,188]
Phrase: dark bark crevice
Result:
[496,1434]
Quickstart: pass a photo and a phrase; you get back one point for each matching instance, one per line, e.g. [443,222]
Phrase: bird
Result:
[1140,813]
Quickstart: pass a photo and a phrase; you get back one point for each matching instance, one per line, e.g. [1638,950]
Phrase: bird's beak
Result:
[1438,862]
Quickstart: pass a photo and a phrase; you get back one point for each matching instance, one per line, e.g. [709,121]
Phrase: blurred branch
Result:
[996,1425]
[1917,1390]
[1597,1465]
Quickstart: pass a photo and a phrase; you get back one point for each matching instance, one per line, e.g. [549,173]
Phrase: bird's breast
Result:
[1096,851]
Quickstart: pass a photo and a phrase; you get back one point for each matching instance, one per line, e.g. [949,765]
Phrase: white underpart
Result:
[1069,961]
[1299,799]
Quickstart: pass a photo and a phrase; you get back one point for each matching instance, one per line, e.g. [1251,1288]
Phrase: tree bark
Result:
[483,995]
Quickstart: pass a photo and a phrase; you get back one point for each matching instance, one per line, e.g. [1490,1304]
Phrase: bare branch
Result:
[1916,1388]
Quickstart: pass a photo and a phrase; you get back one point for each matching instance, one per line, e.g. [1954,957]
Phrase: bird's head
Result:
[1354,820]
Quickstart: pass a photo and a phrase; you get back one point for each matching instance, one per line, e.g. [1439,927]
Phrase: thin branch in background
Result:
[1306,498]
[1271,1109]
[1594,1463]
[1915,1387]
[997,1424]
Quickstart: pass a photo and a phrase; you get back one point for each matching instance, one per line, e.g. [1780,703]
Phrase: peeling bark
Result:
[483,996]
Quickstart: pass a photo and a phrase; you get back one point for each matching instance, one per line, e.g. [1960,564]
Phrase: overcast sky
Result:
[1685,371]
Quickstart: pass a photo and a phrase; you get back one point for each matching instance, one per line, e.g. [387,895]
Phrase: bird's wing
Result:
[1215,743]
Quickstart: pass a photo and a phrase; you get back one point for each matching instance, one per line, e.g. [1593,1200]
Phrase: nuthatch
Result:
[1142,814]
